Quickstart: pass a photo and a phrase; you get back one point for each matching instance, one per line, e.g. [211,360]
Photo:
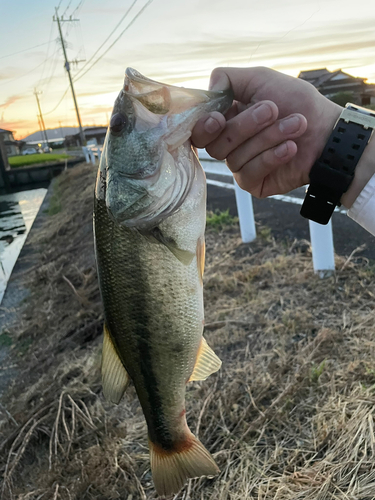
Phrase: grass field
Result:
[26,160]
[289,416]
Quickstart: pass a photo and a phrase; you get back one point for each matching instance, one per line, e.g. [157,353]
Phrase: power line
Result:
[63,14]
[108,37]
[78,7]
[28,72]
[117,39]
[49,42]
[60,101]
[53,69]
[24,50]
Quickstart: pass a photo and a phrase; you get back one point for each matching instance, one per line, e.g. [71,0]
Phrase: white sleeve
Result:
[363,209]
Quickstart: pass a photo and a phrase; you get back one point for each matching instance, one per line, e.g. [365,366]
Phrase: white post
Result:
[245,214]
[92,156]
[99,154]
[86,153]
[323,253]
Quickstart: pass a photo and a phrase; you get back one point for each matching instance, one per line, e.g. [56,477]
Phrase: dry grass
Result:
[289,416]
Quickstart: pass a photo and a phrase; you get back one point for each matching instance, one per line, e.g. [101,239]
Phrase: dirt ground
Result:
[289,416]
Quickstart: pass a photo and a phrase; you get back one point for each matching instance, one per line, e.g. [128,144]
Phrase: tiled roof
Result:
[313,74]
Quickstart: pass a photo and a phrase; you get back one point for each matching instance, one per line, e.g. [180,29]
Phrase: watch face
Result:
[360,109]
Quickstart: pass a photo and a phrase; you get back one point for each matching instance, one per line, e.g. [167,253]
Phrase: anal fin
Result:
[206,363]
[115,378]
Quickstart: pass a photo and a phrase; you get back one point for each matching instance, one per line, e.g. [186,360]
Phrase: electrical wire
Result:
[53,69]
[63,14]
[117,39]
[58,104]
[80,4]
[47,54]
[25,50]
[100,57]
[28,72]
[105,41]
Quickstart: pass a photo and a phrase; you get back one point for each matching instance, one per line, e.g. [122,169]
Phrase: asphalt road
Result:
[284,220]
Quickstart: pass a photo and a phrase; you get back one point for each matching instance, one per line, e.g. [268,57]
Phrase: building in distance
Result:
[12,146]
[336,84]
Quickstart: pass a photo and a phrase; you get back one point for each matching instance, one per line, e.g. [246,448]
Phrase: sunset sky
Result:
[168,42]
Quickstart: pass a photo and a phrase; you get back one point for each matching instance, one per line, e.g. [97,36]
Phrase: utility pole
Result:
[67,67]
[36,93]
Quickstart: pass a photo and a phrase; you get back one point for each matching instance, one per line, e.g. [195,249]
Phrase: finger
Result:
[207,129]
[290,127]
[242,127]
[254,175]
[243,81]
[236,108]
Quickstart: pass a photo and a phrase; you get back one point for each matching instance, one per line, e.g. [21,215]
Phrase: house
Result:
[12,147]
[95,135]
[330,83]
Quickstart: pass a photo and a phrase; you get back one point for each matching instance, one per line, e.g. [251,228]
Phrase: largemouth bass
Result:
[149,222]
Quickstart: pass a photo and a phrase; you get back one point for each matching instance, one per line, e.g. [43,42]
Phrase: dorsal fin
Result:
[206,363]
[115,378]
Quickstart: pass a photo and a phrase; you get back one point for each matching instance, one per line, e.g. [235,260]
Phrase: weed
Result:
[265,233]
[5,340]
[316,371]
[219,220]
[55,201]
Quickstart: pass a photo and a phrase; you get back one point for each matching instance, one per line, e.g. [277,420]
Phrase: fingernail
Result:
[262,114]
[290,125]
[211,125]
[219,82]
[281,150]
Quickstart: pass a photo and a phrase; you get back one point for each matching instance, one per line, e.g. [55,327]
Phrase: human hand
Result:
[276,155]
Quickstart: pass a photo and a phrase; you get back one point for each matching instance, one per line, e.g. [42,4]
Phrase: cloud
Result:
[11,100]
[325,44]
[8,73]
[17,125]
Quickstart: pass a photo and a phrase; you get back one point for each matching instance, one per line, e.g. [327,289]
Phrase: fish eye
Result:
[117,123]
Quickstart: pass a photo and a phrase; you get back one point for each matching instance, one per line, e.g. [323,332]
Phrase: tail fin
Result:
[171,469]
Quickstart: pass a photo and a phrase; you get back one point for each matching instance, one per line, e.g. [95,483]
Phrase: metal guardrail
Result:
[321,237]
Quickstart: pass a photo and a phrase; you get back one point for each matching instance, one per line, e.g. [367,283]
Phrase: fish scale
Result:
[158,326]
[149,221]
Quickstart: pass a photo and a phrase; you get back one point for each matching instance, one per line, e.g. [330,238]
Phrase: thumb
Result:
[244,81]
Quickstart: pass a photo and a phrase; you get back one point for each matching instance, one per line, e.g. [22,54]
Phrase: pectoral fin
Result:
[201,252]
[184,256]
[115,378]
[207,362]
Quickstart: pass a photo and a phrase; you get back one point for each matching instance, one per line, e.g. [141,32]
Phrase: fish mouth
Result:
[162,165]
[162,98]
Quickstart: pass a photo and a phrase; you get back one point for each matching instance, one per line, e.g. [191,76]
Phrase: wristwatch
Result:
[332,174]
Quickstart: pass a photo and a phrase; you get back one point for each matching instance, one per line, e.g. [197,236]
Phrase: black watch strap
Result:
[332,174]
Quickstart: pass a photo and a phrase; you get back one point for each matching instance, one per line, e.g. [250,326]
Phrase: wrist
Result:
[364,171]
[344,167]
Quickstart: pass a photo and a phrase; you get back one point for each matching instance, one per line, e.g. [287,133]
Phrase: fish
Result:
[149,223]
